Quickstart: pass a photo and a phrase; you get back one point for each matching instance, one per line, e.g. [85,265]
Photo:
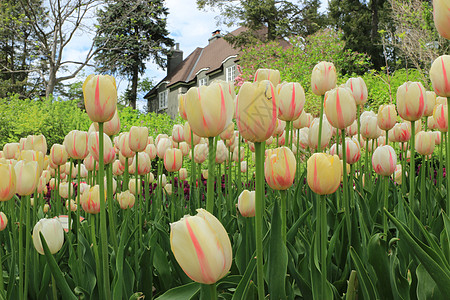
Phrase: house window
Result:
[230,73]
[163,99]
[203,81]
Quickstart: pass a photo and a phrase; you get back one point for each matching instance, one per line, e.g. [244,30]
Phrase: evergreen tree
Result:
[128,35]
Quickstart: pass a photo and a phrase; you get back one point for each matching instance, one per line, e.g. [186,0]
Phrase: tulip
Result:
[431,123]
[53,233]
[27,177]
[304,120]
[359,89]
[201,247]
[256,110]
[73,205]
[100,97]
[7,181]
[269,142]
[46,208]
[430,103]
[89,162]
[151,151]
[228,132]
[235,156]
[353,150]
[108,150]
[183,174]
[437,137]
[387,116]
[205,174]
[132,186]
[279,168]
[221,152]
[178,133]
[118,168]
[163,179]
[402,132]
[303,137]
[173,160]
[398,176]
[138,138]
[124,145]
[187,135]
[11,150]
[58,154]
[182,106]
[36,143]
[411,100]
[425,141]
[112,127]
[323,173]
[369,126]
[244,166]
[384,160]
[340,107]
[381,140]
[352,129]
[441,17]
[267,74]
[76,144]
[440,114]
[291,97]
[200,153]
[209,109]
[126,199]
[323,78]
[313,134]
[90,200]
[168,189]
[3,221]
[184,147]
[246,203]
[144,164]
[162,146]
[64,189]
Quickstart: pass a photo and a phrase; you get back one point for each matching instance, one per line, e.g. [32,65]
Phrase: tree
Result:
[63,20]
[282,18]
[129,34]
[360,22]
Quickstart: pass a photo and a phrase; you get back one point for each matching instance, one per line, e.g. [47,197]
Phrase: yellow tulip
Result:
[358,88]
[27,177]
[126,199]
[387,116]
[256,110]
[182,106]
[76,144]
[201,247]
[323,78]
[7,181]
[209,109]
[132,186]
[339,107]
[178,133]
[173,160]
[425,142]
[37,143]
[411,100]
[323,173]
[100,97]
[11,150]
[58,154]
[268,74]
[430,103]
[3,221]
[112,127]
[291,98]
[279,168]
[138,138]
[441,16]
[90,200]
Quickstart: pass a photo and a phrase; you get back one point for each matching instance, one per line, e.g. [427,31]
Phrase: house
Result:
[218,60]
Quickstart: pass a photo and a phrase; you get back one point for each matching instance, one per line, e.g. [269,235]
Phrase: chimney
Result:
[215,35]
[174,59]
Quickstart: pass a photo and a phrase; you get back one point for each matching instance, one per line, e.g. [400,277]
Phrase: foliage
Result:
[296,63]
[51,117]
[128,35]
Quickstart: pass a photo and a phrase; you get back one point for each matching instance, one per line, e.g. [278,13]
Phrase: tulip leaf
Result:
[294,227]
[378,258]
[399,284]
[118,278]
[426,286]
[56,272]
[426,256]
[184,292]
[277,262]
[243,285]
[317,291]
[364,281]
[446,236]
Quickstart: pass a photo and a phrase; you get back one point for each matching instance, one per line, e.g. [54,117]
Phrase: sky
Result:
[187,25]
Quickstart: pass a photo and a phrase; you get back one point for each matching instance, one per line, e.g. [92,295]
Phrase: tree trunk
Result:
[51,82]
[134,83]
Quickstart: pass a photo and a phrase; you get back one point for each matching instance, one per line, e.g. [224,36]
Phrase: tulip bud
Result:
[228,132]
[46,208]
[11,150]
[235,156]
[151,151]
[168,189]
[178,133]
[138,138]
[3,221]
[387,116]
[183,174]
[89,163]
[425,141]
[402,132]
[126,199]
[384,160]
[358,88]
[73,205]
[437,137]
[94,148]
[182,106]
[256,110]
[430,103]
[209,109]
[124,144]
[76,144]
[267,74]
[162,146]
[323,78]
[244,166]
[112,127]
[90,200]
[27,177]
[7,182]
[340,107]
[64,189]
[173,160]
[304,120]
[100,97]
[53,233]
[200,153]
[205,174]
[246,203]
[281,126]
[441,17]
[187,135]
[162,179]
[411,100]
[132,186]
[440,114]
[118,168]
[36,143]
[201,247]
[398,176]
[313,133]
[291,98]
[431,122]
[369,126]
[279,168]
[144,164]
[323,173]
[58,154]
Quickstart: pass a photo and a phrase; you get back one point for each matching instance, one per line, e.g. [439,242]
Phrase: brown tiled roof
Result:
[209,57]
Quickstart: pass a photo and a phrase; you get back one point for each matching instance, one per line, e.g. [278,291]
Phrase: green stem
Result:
[412,175]
[79,250]
[259,212]
[54,293]
[69,212]
[441,170]
[208,292]
[345,186]
[103,232]
[112,211]
[288,125]
[58,197]
[92,221]
[193,177]
[125,175]
[422,190]
[21,256]
[385,205]
[284,195]
[210,181]
[319,144]
[27,246]
[358,123]
[323,241]
[239,180]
